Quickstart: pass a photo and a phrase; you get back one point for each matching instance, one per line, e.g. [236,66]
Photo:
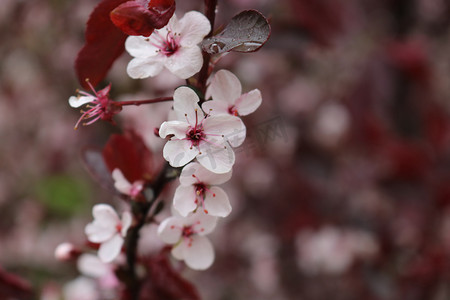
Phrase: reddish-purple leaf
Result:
[104,44]
[138,18]
[14,287]
[128,153]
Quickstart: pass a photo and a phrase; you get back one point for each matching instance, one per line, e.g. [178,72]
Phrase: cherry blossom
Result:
[195,190]
[194,135]
[188,237]
[91,266]
[99,106]
[81,288]
[174,47]
[66,251]
[124,186]
[227,97]
[108,230]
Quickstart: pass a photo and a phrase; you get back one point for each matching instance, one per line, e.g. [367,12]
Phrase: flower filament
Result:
[167,45]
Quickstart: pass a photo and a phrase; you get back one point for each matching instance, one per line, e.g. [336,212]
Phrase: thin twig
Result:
[139,102]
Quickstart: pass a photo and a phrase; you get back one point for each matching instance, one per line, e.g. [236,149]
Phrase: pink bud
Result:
[66,251]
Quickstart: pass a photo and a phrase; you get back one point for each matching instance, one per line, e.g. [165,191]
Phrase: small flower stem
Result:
[210,13]
[140,211]
[139,102]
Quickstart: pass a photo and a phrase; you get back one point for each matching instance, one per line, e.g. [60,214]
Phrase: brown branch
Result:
[210,13]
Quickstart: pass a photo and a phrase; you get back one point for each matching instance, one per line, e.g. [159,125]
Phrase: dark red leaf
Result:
[128,153]
[136,18]
[104,44]
[411,58]
[162,11]
[14,287]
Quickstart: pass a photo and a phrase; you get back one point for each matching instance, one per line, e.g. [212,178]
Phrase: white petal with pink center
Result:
[188,237]
[206,138]
[226,89]
[174,47]
[124,186]
[195,192]
[108,230]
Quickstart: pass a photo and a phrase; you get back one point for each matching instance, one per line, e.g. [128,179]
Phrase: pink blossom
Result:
[99,106]
[108,230]
[196,190]
[227,97]
[188,237]
[124,186]
[174,47]
[194,135]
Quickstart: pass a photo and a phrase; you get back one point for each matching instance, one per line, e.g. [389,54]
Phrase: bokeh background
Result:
[341,190]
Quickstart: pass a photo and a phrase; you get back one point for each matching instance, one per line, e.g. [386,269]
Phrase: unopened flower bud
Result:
[66,251]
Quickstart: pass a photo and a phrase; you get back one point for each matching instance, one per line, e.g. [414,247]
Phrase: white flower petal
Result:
[178,251]
[186,107]
[187,174]
[194,173]
[215,107]
[179,152]
[105,214]
[120,182]
[97,232]
[110,249]
[127,219]
[231,127]
[217,159]
[139,68]
[184,200]
[199,254]
[177,128]
[226,87]
[248,102]
[217,203]
[194,26]
[139,46]
[170,230]
[201,223]
[173,25]
[82,288]
[186,62]
[91,265]
[77,101]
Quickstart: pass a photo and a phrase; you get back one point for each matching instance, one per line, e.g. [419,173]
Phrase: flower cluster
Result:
[207,135]
[200,137]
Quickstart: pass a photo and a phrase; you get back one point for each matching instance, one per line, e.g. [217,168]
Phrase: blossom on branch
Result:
[98,106]
[188,237]
[108,230]
[174,47]
[227,97]
[124,186]
[195,190]
[193,135]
